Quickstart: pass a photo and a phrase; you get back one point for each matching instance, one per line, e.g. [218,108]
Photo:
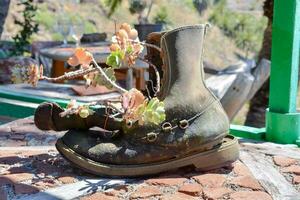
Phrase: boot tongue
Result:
[155,58]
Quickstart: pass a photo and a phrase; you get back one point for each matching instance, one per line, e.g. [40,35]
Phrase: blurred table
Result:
[100,51]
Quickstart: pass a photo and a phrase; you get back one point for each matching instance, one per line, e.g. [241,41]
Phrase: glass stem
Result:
[77,43]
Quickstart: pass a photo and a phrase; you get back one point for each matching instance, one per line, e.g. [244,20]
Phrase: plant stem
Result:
[82,72]
[70,75]
[117,87]
[156,73]
[115,108]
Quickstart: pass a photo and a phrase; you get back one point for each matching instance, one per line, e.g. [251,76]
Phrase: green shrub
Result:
[28,27]
[162,16]
[45,17]
[244,28]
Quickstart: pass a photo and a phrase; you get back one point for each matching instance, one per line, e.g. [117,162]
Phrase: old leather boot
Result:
[193,133]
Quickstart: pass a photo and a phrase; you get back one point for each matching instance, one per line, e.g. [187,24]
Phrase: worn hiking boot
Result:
[194,132]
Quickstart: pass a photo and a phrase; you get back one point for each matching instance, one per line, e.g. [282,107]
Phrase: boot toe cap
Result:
[43,116]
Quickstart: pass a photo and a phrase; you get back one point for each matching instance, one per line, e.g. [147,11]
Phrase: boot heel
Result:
[219,156]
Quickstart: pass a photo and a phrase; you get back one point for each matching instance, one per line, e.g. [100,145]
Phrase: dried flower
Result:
[27,74]
[72,104]
[125,47]
[73,108]
[131,101]
[81,57]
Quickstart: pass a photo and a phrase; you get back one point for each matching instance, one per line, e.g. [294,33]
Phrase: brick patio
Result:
[31,168]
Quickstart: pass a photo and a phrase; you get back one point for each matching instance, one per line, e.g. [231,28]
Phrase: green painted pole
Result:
[282,120]
[285,56]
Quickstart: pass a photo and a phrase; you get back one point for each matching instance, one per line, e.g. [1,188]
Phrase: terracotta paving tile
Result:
[283,161]
[16,170]
[179,196]
[67,179]
[292,169]
[247,182]
[25,189]
[46,168]
[45,183]
[99,196]
[116,191]
[296,180]
[215,193]
[145,192]
[241,169]
[210,180]
[166,181]
[250,195]
[17,177]
[13,143]
[193,189]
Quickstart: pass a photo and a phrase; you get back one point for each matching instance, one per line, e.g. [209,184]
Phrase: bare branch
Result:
[70,75]
[146,44]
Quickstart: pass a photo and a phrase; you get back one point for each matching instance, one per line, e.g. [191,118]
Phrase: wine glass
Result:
[77,30]
[63,27]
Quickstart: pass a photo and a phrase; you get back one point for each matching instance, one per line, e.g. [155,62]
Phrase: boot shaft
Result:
[183,84]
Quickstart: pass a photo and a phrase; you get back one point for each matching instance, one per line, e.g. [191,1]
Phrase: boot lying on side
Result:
[194,132]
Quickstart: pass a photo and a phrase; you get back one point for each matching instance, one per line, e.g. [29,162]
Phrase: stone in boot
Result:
[194,132]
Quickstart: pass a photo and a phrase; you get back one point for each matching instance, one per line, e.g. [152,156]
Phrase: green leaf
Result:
[154,112]
[115,59]
[129,50]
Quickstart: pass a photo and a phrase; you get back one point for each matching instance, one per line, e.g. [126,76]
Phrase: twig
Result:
[148,92]
[152,86]
[70,75]
[156,73]
[146,44]
[117,87]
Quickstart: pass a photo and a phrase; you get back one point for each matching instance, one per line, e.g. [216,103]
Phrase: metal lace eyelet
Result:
[151,137]
[166,127]
[183,124]
[129,124]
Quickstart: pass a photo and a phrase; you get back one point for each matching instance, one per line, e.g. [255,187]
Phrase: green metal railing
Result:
[282,118]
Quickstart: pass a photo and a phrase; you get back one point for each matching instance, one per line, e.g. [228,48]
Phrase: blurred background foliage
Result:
[236,33]
[238,24]
[244,28]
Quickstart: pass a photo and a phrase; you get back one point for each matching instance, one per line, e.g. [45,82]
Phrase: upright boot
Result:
[192,134]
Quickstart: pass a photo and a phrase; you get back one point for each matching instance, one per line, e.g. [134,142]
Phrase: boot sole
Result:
[219,156]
